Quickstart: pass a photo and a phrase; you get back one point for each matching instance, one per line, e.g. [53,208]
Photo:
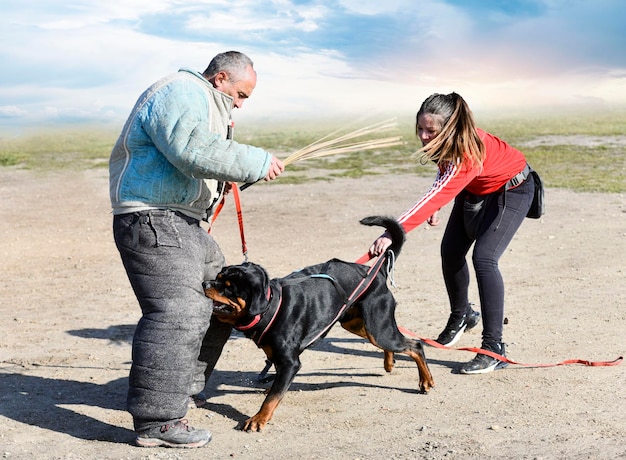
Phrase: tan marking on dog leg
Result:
[389,361]
[269,352]
[426,378]
[258,421]
[355,326]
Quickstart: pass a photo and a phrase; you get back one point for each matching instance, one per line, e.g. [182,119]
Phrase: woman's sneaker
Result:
[177,434]
[455,328]
[483,364]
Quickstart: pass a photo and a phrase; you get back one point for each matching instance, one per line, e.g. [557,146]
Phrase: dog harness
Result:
[261,323]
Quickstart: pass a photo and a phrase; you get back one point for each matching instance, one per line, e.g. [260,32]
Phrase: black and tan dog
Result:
[284,316]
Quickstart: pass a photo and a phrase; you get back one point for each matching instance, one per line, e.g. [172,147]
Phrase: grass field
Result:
[600,167]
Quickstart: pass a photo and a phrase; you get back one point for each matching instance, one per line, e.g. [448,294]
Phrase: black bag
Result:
[537,208]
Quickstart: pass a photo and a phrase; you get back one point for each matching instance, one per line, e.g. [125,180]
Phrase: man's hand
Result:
[276,169]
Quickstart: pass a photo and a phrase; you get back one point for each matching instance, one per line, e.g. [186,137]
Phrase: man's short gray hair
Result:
[234,63]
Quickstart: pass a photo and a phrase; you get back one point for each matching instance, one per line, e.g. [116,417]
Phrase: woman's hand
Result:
[379,246]
[434,220]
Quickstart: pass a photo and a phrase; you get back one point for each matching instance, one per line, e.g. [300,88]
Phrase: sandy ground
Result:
[68,315]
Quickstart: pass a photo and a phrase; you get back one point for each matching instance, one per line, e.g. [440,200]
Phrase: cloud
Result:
[92,59]
[11,111]
[375,8]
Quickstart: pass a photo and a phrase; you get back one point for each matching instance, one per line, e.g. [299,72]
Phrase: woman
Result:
[486,177]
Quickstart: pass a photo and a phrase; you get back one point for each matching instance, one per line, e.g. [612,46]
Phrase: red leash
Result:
[244,247]
[366,257]
[432,343]
[235,190]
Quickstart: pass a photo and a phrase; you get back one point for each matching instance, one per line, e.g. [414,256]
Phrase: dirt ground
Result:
[68,316]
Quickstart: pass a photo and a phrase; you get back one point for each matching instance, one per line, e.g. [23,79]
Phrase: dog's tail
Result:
[392,226]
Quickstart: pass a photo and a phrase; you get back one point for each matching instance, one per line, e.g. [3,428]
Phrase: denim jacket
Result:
[173,151]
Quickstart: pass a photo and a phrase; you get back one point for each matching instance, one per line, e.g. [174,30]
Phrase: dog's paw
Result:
[426,386]
[255,423]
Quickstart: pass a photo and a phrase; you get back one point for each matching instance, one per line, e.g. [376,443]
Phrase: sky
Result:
[77,61]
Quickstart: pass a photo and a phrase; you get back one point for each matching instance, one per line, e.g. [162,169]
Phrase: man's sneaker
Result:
[197,401]
[177,434]
[483,364]
[455,328]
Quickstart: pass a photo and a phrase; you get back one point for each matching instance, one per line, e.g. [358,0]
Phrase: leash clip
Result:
[391,265]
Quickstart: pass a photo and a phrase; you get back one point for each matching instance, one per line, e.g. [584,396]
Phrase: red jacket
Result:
[500,164]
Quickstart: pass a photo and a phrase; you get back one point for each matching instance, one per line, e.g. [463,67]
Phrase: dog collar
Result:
[250,325]
[261,323]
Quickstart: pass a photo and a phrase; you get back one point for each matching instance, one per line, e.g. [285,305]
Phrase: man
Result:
[171,164]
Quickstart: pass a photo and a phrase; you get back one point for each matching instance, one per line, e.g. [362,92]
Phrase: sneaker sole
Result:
[156,442]
[456,338]
[486,370]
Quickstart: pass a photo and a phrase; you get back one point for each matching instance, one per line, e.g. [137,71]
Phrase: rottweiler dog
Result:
[284,316]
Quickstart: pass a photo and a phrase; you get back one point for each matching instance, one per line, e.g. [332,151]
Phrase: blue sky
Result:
[88,60]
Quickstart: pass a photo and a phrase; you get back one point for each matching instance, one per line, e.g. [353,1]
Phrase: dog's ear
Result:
[256,284]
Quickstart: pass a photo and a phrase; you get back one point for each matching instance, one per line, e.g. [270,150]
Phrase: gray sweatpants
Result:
[167,256]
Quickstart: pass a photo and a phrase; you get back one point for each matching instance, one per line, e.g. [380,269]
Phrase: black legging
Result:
[504,212]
